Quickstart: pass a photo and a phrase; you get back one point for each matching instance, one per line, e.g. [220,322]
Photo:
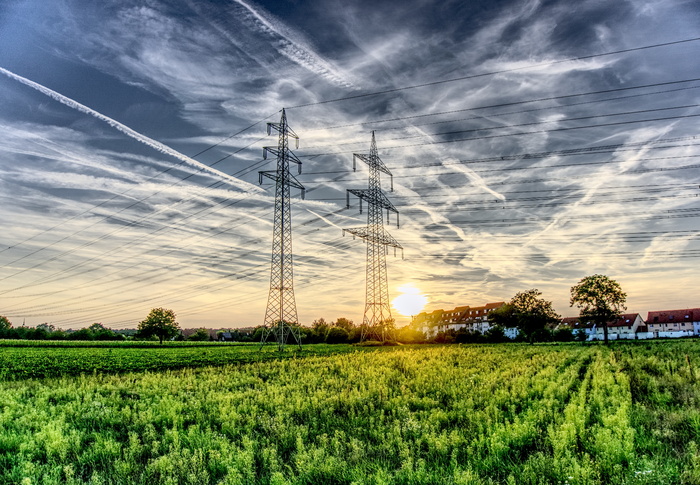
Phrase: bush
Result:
[564,334]
[337,335]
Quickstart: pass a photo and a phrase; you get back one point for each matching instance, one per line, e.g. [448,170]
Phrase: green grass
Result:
[486,414]
[39,359]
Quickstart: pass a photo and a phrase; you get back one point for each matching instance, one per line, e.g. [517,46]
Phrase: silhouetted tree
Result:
[161,323]
[600,299]
[531,314]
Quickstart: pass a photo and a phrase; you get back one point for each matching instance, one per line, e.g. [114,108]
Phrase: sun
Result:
[410,302]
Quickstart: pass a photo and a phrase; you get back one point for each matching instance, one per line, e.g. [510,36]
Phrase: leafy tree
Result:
[580,335]
[97,331]
[600,300]
[46,327]
[344,323]
[161,323]
[530,313]
[97,327]
[82,334]
[409,334]
[337,335]
[495,335]
[564,334]
[503,316]
[320,325]
[258,333]
[200,335]
[5,323]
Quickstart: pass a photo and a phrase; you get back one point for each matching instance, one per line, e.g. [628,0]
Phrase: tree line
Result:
[599,299]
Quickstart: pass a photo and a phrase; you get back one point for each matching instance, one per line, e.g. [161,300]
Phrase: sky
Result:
[531,143]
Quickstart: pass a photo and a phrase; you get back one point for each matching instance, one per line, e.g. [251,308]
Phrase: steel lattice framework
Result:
[377,321]
[281,313]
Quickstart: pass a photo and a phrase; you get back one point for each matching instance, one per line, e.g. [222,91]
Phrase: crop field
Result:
[21,359]
[479,414]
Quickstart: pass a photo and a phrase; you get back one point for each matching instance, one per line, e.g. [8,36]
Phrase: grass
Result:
[40,359]
[483,414]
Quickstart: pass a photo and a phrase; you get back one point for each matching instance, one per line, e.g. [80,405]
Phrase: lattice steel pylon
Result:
[377,323]
[281,313]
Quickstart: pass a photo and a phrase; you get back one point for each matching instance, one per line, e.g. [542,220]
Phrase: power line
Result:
[162,172]
[522,133]
[534,123]
[527,101]
[492,73]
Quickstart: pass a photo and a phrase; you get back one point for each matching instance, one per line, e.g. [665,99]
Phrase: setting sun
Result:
[410,302]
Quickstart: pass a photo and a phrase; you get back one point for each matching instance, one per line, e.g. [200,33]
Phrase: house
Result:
[472,319]
[625,327]
[429,323]
[674,323]
[577,326]
[225,337]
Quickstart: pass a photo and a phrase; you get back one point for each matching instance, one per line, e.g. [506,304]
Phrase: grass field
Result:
[511,414]
[21,359]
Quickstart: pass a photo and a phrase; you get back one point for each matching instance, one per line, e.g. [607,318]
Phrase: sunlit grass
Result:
[512,414]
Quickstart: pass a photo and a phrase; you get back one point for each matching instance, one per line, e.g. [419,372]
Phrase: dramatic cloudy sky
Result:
[532,143]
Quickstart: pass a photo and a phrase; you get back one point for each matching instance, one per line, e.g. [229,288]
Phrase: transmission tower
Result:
[376,324]
[281,314]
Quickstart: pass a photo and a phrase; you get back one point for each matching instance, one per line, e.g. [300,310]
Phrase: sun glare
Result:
[410,302]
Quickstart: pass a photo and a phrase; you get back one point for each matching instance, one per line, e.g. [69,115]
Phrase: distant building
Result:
[225,337]
[576,327]
[472,319]
[624,328]
[659,324]
[674,323]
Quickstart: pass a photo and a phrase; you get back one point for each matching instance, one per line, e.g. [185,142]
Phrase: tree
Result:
[46,327]
[409,335]
[161,323]
[503,316]
[530,313]
[5,323]
[337,335]
[344,323]
[200,335]
[600,299]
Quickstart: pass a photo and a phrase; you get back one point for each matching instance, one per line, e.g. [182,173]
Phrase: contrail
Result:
[129,132]
[295,49]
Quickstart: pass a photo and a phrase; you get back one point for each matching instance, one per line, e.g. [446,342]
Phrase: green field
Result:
[479,414]
[21,359]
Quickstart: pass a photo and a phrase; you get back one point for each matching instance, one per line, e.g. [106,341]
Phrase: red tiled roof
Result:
[458,315]
[674,316]
[574,323]
[626,320]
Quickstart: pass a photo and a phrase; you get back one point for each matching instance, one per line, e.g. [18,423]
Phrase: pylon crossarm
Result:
[383,238]
[285,130]
[293,182]
[271,174]
[373,197]
[372,160]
